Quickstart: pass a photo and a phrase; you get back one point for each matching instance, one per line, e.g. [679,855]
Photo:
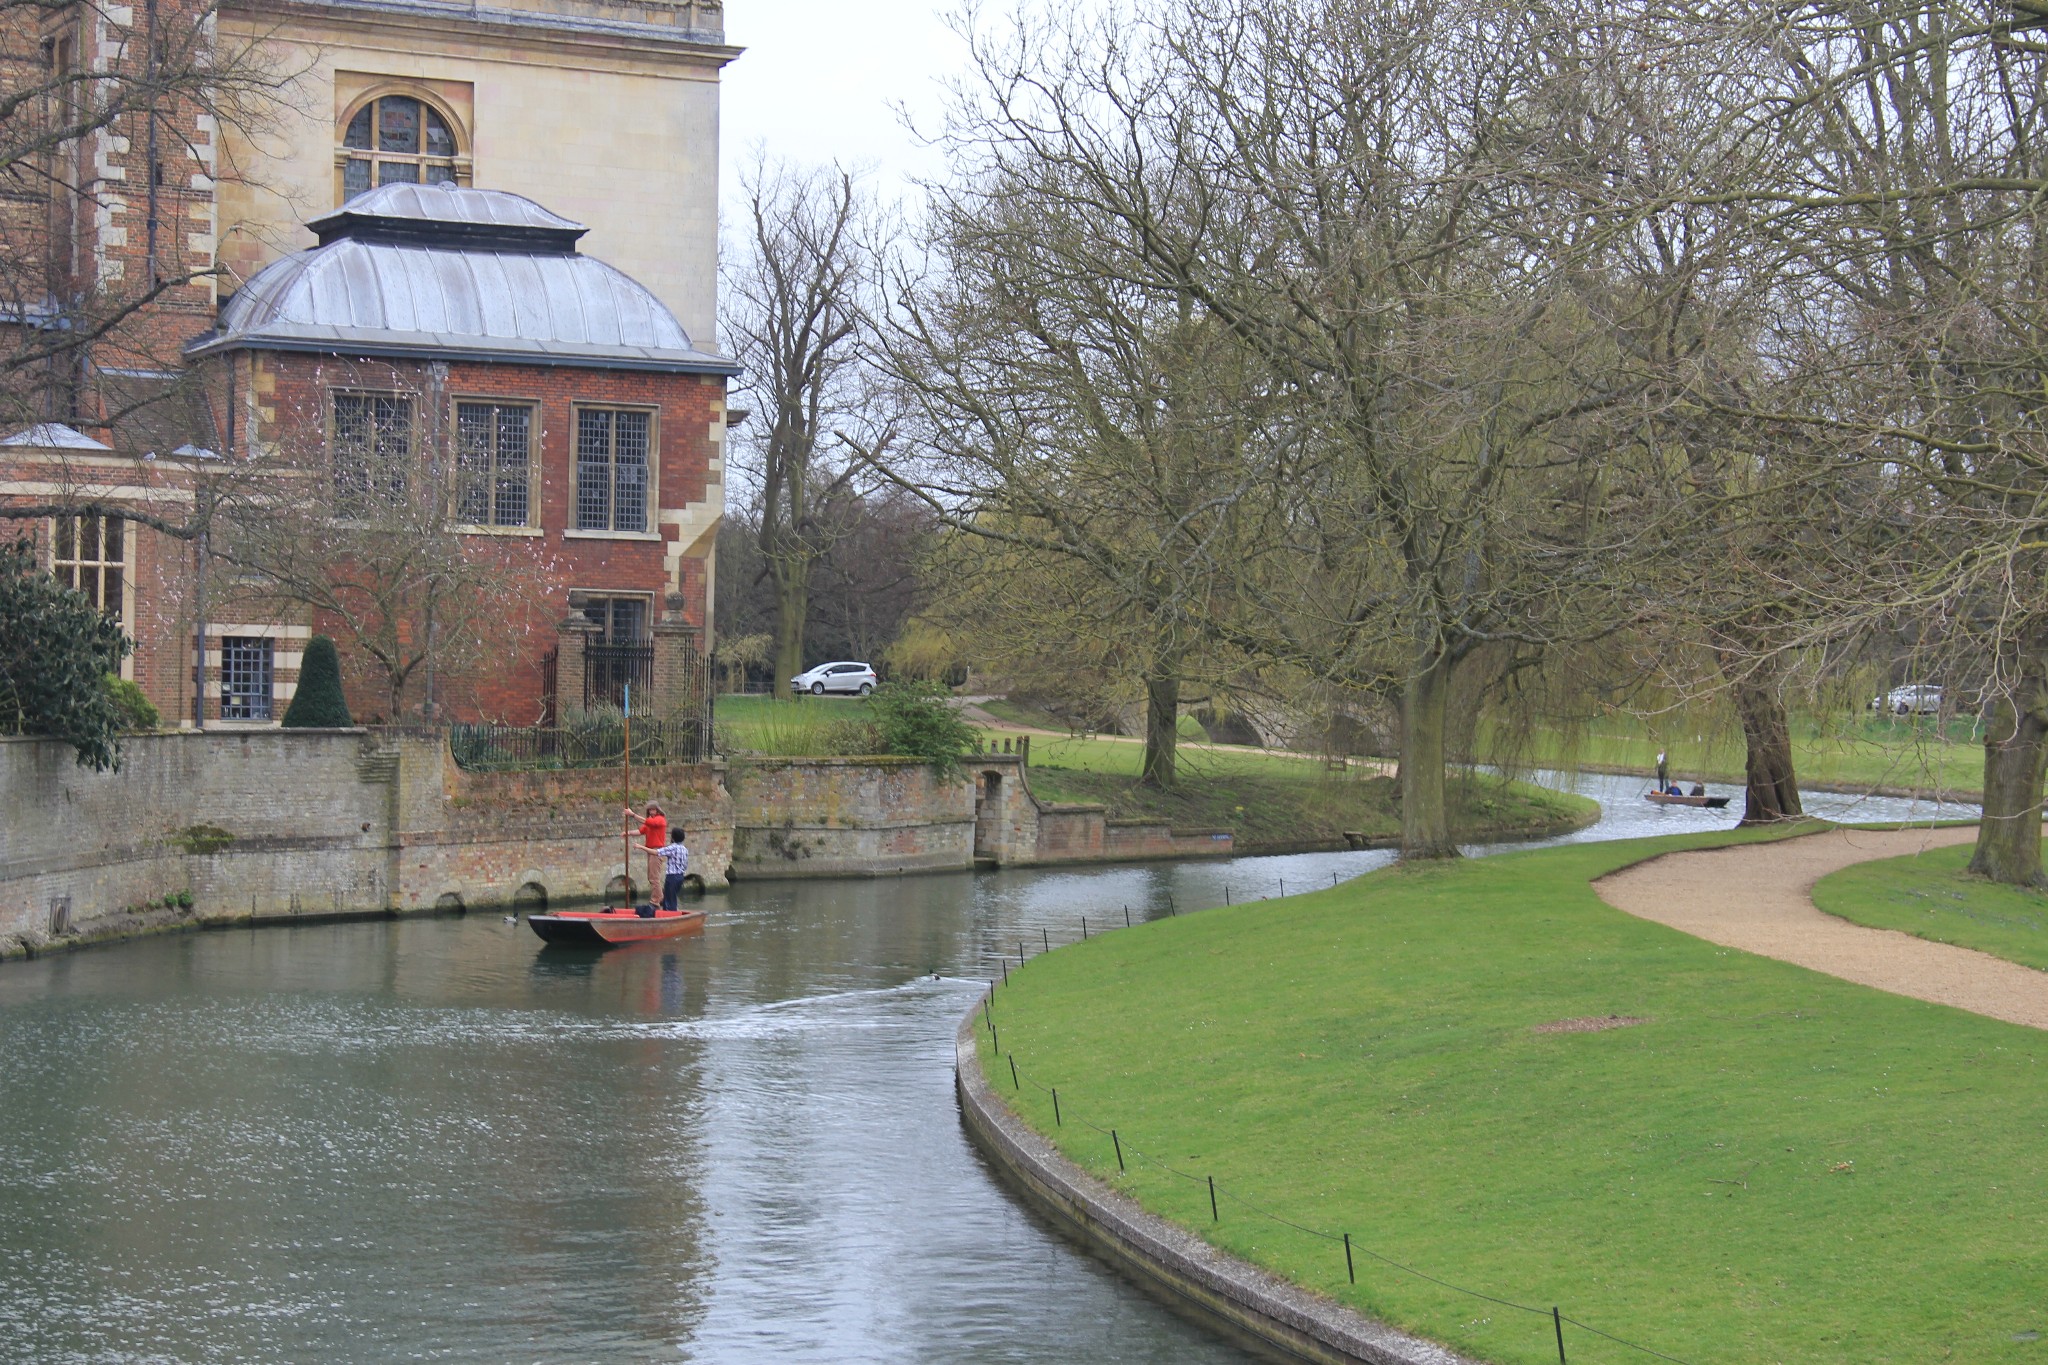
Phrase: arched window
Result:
[394,140]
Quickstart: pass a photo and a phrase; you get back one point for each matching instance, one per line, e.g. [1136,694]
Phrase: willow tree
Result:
[1911,217]
[1104,437]
[1348,189]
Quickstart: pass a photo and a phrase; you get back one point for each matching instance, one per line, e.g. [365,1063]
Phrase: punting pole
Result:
[626,839]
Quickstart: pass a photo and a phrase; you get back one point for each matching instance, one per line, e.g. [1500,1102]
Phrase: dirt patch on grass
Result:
[1593,1023]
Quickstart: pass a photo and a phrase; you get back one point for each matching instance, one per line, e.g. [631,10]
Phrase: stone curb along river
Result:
[1249,1301]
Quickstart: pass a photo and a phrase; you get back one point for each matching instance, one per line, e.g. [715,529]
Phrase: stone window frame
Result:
[410,463]
[651,519]
[79,566]
[535,435]
[457,167]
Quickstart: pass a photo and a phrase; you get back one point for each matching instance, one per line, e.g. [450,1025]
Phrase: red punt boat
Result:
[608,927]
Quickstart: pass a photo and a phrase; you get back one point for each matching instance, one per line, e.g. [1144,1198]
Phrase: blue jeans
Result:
[671,890]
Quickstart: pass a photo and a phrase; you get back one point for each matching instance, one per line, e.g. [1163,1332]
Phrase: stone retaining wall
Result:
[289,824]
[1243,1298]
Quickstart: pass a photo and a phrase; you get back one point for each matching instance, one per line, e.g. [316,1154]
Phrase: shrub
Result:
[56,648]
[917,720]
[318,703]
[136,711]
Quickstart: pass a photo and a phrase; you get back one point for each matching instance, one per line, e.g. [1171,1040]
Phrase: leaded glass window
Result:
[91,556]
[245,678]
[396,140]
[493,470]
[611,469]
[372,450]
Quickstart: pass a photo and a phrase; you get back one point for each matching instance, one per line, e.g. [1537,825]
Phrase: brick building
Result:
[360,277]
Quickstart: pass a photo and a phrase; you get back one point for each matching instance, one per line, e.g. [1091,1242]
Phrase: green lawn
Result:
[1861,751]
[781,727]
[1931,895]
[1292,807]
[1775,1166]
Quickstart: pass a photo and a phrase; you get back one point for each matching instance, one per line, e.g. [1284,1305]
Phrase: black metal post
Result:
[1214,1216]
[1557,1321]
[1006,969]
[1119,1149]
[1226,893]
[1348,1271]
[1056,1122]
[1045,934]
[1014,1082]
[1127,917]
[1283,888]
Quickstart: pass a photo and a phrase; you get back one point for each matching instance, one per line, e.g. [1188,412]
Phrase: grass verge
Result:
[1932,896]
[1773,1166]
[1862,752]
[1311,808]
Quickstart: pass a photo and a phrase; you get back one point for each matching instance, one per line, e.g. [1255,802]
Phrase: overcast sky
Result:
[819,77]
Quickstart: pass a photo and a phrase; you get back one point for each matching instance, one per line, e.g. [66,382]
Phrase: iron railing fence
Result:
[607,669]
[590,742]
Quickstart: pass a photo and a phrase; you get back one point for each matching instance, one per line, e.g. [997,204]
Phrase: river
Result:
[431,1140]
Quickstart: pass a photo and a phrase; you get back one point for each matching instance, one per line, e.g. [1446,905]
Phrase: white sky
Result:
[819,77]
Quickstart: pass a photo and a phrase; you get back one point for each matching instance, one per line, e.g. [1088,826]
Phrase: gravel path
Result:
[1758,897]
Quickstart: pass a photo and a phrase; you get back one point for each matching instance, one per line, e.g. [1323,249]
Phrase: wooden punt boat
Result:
[610,927]
[1665,799]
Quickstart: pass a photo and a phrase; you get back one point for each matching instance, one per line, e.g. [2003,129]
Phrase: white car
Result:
[858,679]
[1914,699]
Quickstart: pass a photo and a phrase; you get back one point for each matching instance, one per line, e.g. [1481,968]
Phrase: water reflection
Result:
[437,1139]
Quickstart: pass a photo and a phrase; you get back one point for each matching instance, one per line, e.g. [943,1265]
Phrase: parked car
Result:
[1914,699]
[840,677]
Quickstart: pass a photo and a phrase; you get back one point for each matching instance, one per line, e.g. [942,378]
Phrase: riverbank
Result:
[1482,1072]
[1301,813]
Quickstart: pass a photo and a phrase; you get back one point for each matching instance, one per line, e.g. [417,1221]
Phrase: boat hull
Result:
[610,928]
[1662,799]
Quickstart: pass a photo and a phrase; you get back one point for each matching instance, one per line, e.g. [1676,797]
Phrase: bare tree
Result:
[796,304]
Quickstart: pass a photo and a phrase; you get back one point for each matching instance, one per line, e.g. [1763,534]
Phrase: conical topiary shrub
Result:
[318,703]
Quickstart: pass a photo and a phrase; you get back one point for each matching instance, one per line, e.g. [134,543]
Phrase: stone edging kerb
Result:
[1280,1315]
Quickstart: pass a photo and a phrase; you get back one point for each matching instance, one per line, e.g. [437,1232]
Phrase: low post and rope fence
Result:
[1557,1318]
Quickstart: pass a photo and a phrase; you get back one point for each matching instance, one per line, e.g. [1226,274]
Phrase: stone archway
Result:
[530,899]
[988,815]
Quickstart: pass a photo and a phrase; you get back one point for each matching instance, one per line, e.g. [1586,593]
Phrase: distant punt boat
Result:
[1662,799]
[607,928]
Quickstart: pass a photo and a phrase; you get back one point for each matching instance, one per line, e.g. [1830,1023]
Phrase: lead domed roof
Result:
[450,272]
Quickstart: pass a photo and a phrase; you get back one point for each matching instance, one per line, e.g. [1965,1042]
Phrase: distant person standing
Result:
[675,862]
[653,829]
[1663,773]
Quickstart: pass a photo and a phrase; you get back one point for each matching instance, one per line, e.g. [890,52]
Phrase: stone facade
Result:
[282,825]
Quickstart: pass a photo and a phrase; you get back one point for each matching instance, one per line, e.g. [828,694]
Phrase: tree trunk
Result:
[2015,760]
[1425,713]
[792,602]
[1770,790]
[1162,728]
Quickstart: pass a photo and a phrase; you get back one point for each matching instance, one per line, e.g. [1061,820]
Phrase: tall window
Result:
[372,449]
[91,556]
[611,469]
[396,140]
[492,467]
[245,678]
[620,620]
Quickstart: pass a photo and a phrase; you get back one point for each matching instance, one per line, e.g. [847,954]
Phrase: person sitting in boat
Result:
[653,828]
[675,862]
[1674,790]
[1698,789]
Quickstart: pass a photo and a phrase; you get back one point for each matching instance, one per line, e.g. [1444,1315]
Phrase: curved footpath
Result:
[1759,898]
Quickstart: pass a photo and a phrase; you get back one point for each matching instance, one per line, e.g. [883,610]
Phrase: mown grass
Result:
[781,727]
[1931,895]
[1269,811]
[1862,752]
[1776,1166]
